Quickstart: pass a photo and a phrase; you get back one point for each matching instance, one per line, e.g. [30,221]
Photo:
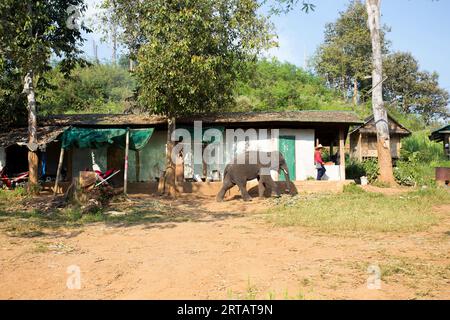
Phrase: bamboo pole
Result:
[342,153]
[125,174]
[58,173]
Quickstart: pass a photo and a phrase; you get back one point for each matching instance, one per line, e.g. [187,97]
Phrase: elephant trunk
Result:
[286,173]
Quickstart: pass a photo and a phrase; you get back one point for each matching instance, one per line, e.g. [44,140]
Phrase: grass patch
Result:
[358,211]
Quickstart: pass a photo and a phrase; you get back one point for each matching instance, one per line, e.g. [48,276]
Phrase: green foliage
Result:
[271,85]
[368,168]
[419,157]
[353,189]
[94,89]
[354,169]
[12,101]
[30,32]
[346,54]
[413,91]
[371,169]
[419,146]
[194,51]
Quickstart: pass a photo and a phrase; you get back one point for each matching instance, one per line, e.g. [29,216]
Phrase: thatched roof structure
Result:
[45,135]
[439,134]
[304,117]
[52,126]
[369,127]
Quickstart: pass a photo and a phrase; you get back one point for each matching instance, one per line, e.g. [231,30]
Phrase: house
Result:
[442,135]
[99,139]
[363,139]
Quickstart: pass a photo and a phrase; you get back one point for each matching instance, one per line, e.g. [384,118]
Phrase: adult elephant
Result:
[250,166]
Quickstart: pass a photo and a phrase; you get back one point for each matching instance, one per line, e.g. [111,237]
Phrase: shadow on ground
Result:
[149,212]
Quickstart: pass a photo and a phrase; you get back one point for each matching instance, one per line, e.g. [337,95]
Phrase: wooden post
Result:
[138,165]
[331,149]
[360,147]
[58,172]
[125,174]
[342,153]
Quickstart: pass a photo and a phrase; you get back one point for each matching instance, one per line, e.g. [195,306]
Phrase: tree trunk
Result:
[114,45]
[169,177]
[355,92]
[131,65]
[33,160]
[379,112]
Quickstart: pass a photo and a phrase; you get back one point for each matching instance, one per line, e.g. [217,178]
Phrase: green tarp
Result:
[83,138]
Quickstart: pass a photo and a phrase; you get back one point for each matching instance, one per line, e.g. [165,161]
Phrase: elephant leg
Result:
[243,187]
[227,185]
[261,188]
[269,181]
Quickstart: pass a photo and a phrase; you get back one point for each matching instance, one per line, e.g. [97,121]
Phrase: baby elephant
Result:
[250,166]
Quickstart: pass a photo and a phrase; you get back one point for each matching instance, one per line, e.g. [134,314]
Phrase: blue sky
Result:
[421,27]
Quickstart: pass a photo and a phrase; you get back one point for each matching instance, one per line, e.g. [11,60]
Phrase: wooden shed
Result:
[363,139]
[442,135]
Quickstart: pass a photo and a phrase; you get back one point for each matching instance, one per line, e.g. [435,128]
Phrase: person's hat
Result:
[319,147]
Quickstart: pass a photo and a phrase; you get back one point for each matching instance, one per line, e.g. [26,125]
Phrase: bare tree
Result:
[379,111]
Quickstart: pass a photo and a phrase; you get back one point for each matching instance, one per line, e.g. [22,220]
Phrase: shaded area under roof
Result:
[439,134]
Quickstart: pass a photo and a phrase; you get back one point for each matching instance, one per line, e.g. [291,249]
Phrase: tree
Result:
[272,85]
[29,33]
[126,17]
[192,56]
[379,111]
[108,24]
[414,91]
[344,59]
[12,102]
[373,8]
[98,88]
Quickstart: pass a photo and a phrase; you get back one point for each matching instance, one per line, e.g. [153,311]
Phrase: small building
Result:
[294,133]
[442,135]
[363,139]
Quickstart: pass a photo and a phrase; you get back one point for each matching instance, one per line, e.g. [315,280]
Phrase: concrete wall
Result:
[85,158]
[304,149]
[152,156]
[152,159]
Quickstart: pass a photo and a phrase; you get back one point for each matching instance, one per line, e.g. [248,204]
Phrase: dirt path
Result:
[222,251]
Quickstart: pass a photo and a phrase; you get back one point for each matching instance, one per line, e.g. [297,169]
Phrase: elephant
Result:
[239,172]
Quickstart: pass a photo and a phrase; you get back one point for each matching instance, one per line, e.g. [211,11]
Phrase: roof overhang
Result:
[346,118]
[19,136]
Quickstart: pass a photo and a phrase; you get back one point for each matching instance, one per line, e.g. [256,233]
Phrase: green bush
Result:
[94,89]
[419,147]
[355,169]
[419,157]
[372,169]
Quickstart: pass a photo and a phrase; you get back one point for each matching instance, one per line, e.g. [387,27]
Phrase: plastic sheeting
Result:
[83,138]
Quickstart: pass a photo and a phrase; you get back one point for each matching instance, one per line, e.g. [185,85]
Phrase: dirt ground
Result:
[206,250]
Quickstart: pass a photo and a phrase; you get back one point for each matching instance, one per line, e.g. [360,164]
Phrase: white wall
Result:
[2,158]
[304,152]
